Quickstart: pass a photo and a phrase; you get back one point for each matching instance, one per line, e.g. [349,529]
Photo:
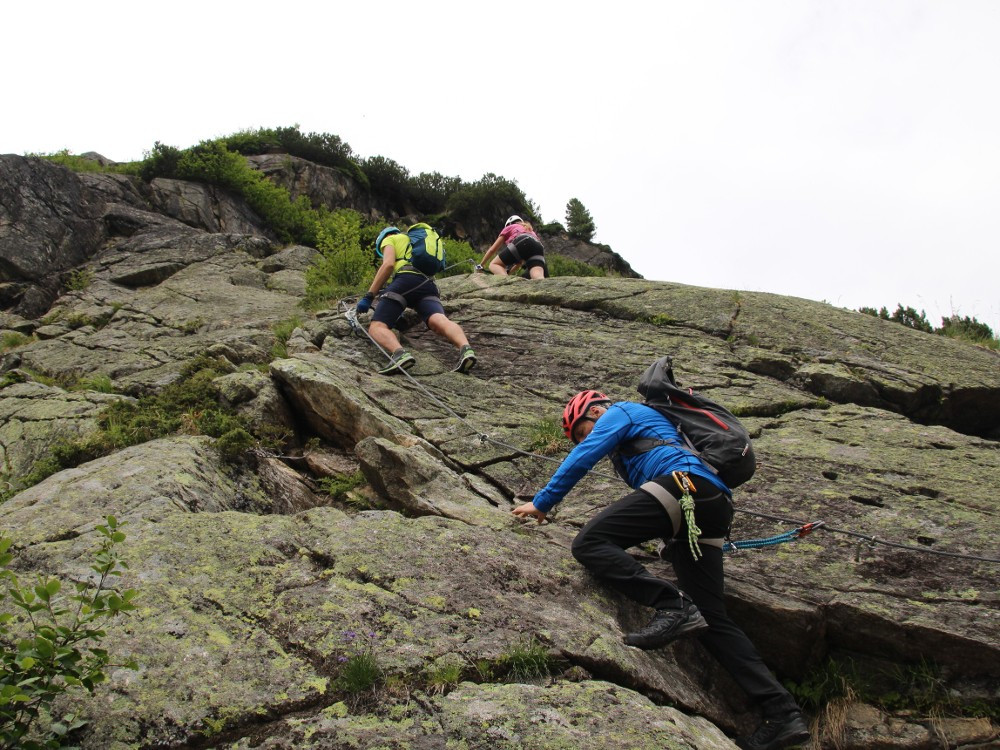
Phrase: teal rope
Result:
[788,536]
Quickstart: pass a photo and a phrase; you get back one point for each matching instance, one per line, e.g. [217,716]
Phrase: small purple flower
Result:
[341,659]
[350,635]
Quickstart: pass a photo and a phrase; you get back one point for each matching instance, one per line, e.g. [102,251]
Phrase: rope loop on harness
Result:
[687,507]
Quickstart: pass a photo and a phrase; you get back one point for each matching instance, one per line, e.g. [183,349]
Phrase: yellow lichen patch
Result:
[435,602]
[338,710]
[319,684]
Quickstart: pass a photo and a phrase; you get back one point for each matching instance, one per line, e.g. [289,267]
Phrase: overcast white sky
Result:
[845,151]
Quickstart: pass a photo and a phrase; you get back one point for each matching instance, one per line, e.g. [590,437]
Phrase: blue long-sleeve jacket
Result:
[623,421]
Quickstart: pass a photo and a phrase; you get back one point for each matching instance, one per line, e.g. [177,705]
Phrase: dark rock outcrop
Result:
[47,226]
[600,256]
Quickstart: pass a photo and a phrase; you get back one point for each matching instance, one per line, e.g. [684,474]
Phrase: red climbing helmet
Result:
[577,408]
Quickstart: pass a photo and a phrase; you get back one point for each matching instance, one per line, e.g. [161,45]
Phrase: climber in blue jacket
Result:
[665,479]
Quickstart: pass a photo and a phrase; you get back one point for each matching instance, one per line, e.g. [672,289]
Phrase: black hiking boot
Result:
[776,733]
[668,625]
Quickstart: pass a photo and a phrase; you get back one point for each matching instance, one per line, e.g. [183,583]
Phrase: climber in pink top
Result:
[517,244]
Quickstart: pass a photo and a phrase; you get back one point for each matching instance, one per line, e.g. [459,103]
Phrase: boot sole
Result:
[465,365]
[795,738]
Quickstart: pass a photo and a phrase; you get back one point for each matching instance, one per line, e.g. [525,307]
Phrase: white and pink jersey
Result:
[509,233]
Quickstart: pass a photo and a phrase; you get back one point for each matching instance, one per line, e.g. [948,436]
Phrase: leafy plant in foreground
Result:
[53,646]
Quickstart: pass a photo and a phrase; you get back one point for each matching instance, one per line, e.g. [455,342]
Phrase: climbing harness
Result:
[681,512]
[802,528]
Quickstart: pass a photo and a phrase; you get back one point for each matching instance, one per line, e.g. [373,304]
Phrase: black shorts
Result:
[407,290]
[523,248]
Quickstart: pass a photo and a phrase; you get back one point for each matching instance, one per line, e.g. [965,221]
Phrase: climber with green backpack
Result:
[411,258]
[677,450]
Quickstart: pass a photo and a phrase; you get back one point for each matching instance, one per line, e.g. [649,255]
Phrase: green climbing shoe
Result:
[466,359]
[401,360]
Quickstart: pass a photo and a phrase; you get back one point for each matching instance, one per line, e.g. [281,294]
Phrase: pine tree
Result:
[579,222]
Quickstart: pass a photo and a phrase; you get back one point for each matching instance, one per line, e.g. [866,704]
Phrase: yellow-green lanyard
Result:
[687,506]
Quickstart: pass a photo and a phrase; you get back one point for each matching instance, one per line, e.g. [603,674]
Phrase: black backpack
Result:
[709,431]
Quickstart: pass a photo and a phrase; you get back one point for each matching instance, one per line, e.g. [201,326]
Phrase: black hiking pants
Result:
[638,517]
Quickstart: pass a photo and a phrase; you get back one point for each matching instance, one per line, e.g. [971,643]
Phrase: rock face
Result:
[384,528]
[47,226]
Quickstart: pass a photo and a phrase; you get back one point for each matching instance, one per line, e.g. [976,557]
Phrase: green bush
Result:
[430,192]
[53,646]
[325,149]
[387,178]
[909,317]
[189,404]
[342,268]
[968,329]
[491,198]
[961,328]
[211,162]
[161,161]
[338,487]
[82,164]
[560,265]
[234,444]
[461,257]
[12,340]
[283,329]
[71,161]
[79,279]
[906,316]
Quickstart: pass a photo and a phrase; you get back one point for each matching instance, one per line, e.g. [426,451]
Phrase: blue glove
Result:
[365,303]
